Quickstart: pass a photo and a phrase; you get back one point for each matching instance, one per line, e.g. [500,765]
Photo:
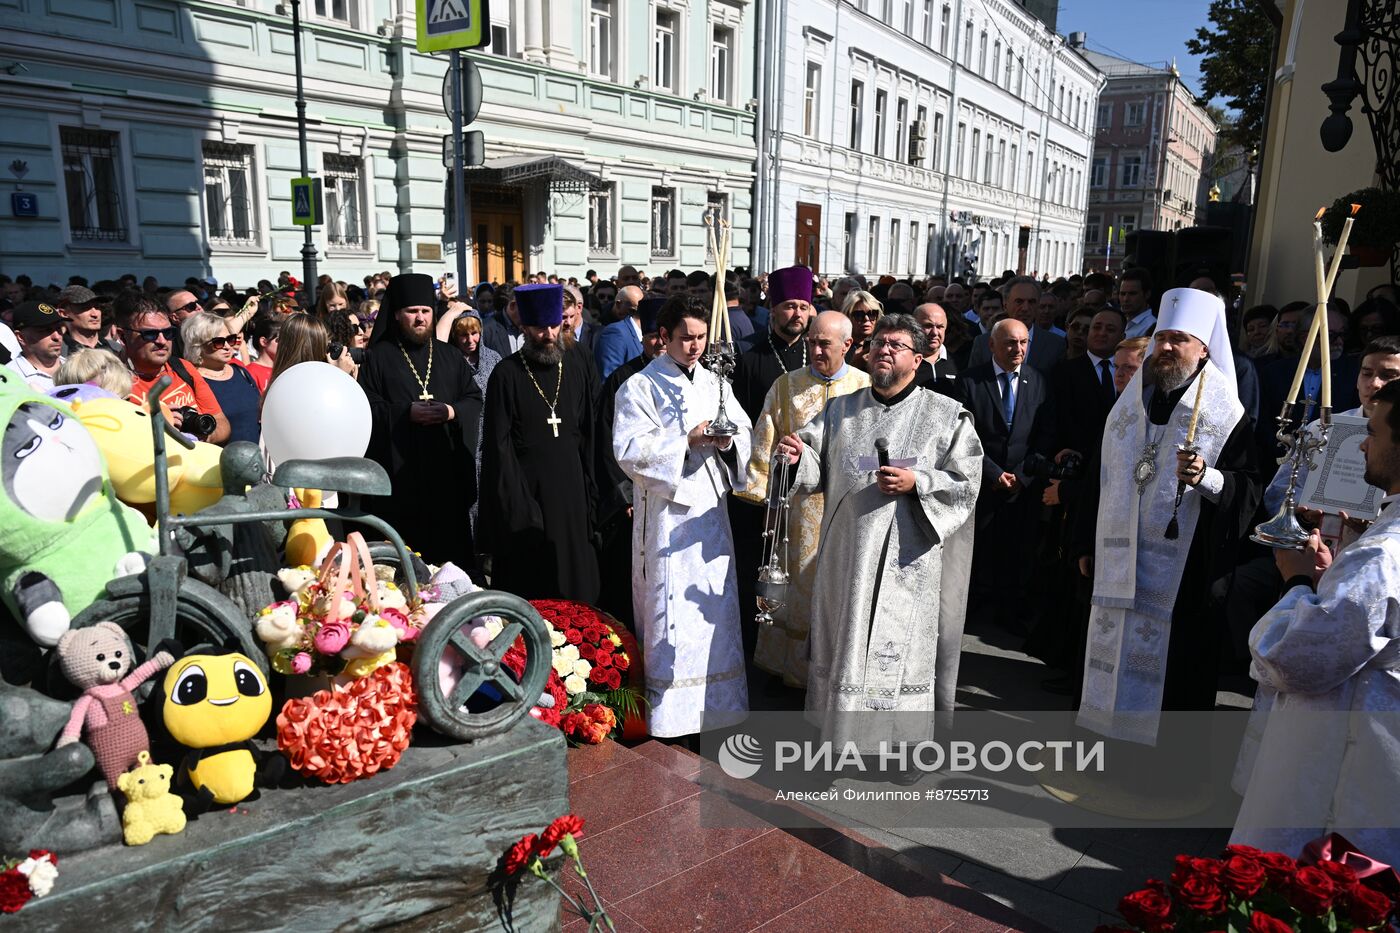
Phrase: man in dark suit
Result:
[621,340]
[1083,387]
[1022,303]
[937,371]
[575,323]
[1011,406]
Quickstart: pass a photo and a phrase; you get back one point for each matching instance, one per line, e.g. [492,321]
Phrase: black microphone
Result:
[882,452]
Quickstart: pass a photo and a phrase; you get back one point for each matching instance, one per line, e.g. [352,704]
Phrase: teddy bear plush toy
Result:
[98,660]
[151,809]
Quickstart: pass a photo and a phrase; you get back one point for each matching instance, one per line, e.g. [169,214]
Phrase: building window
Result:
[91,180]
[1127,223]
[857,109]
[664,50]
[721,67]
[663,221]
[849,248]
[811,100]
[982,55]
[344,186]
[717,209]
[928,23]
[976,154]
[600,221]
[1021,80]
[1015,166]
[906,17]
[944,26]
[1093,231]
[1130,172]
[336,11]
[1030,170]
[602,40]
[967,45]
[901,130]
[1103,117]
[960,142]
[918,142]
[1010,60]
[996,60]
[987,164]
[894,246]
[1001,163]
[1098,175]
[500,41]
[228,194]
[937,140]
[913,247]
[881,104]
[872,246]
[1134,114]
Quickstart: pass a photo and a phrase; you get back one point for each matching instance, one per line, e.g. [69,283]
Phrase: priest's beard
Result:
[542,354]
[883,379]
[1171,374]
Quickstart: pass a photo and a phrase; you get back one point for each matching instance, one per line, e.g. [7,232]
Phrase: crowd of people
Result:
[1078,463]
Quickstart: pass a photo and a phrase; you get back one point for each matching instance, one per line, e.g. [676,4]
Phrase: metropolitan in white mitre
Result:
[1329,655]
[793,401]
[684,591]
[890,596]
[1153,641]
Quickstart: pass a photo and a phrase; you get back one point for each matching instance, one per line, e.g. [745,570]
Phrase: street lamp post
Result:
[308,248]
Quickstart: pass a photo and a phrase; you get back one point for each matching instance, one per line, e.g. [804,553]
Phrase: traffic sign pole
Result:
[459,186]
[308,248]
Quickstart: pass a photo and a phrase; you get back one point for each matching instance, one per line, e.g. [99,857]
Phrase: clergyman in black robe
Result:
[537,460]
[426,444]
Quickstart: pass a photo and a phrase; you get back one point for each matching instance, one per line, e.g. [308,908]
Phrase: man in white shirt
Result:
[1135,301]
[40,331]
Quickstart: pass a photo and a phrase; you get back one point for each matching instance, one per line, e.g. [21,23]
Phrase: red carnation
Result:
[1343,876]
[1368,907]
[567,825]
[1260,922]
[1311,891]
[14,891]
[1200,894]
[573,636]
[1278,867]
[1148,909]
[1242,876]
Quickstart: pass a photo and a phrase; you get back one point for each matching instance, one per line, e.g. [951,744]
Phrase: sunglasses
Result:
[218,343]
[365,327]
[865,315]
[191,307]
[151,336]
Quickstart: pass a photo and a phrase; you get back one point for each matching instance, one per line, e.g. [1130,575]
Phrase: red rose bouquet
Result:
[529,853]
[1246,890]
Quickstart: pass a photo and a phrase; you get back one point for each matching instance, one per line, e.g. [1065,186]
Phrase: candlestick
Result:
[1196,409]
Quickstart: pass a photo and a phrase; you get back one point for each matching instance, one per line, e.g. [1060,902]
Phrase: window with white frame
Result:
[857,114]
[1013,182]
[1000,175]
[996,61]
[335,11]
[665,48]
[1103,117]
[976,154]
[901,130]
[1030,170]
[722,64]
[1134,113]
[1098,173]
[344,186]
[663,221]
[895,243]
[811,101]
[1130,171]
[918,145]
[1010,61]
[500,40]
[936,143]
[92,184]
[928,23]
[872,246]
[945,20]
[717,209]
[959,142]
[881,105]
[1093,231]
[848,251]
[982,54]
[601,215]
[887,11]
[1127,223]
[913,247]
[967,45]
[231,212]
[602,39]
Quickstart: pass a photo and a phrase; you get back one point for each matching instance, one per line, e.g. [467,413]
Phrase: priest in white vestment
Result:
[684,591]
[1153,644]
[793,401]
[1329,760]
[890,595]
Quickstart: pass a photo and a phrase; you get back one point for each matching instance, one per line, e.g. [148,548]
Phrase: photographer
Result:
[148,338]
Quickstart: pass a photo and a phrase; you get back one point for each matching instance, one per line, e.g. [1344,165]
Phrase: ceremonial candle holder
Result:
[1283,531]
[720,358]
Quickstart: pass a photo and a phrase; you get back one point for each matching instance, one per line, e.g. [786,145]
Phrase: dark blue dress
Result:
[238,397]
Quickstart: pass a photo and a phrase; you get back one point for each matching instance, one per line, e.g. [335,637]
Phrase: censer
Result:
[773,579]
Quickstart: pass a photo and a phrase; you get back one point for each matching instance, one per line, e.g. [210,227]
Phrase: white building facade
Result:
[160,137]
[922,136]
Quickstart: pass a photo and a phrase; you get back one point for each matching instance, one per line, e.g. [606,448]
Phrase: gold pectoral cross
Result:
[554,421]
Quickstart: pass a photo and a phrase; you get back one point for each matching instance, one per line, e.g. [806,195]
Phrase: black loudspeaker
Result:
[1204,251]
[1151,250]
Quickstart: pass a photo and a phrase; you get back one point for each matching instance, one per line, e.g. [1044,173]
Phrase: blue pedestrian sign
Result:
[452,24]
[307,209]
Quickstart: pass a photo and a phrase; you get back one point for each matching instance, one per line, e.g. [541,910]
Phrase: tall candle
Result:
[1196,409]
[1322,309]
[1321,283]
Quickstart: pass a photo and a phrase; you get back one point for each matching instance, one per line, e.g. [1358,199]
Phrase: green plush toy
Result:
[63,534]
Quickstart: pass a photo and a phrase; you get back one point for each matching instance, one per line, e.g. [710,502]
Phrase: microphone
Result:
[882,452]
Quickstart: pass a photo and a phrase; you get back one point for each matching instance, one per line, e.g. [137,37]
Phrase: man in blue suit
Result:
[621,340]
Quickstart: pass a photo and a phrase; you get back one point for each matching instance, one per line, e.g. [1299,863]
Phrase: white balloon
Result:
[315,411]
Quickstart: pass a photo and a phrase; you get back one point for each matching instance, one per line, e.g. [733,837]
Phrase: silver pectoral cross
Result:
[553,421]
[887,656]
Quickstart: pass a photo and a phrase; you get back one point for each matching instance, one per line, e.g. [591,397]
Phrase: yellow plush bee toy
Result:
[214,704]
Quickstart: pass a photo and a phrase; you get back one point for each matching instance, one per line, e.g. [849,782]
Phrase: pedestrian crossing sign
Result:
[306,202]
[452,24]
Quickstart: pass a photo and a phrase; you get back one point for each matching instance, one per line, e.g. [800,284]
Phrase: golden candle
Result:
[1196,409]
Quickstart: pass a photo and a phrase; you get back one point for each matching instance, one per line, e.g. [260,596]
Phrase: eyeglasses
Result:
[218,343]
[865,315]
[894,346]
[192,307]
[151,336]
[365,326]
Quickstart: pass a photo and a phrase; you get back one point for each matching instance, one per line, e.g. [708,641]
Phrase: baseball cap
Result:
[76,295]
[36,314]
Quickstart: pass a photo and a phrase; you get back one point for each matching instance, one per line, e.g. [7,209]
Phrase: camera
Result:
[333,351]
[1040,467]
[193,421]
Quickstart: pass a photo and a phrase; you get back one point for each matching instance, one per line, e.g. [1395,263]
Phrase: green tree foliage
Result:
[1236,51]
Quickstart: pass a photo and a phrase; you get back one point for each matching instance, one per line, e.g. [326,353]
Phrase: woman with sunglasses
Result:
[211,347]
[864,310]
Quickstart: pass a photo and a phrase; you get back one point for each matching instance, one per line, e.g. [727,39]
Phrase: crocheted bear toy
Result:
[151,808]
[98,660]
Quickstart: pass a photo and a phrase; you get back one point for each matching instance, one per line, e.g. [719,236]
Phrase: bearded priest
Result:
[1153,637]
